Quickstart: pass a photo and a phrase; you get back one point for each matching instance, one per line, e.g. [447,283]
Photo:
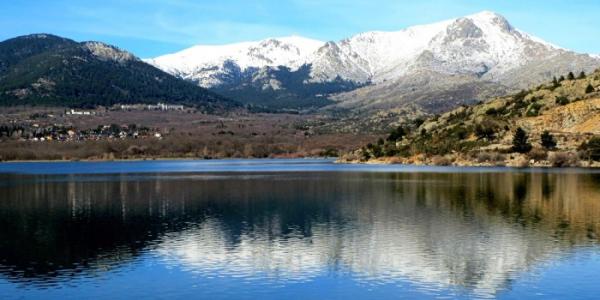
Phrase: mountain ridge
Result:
[44,69]
[484,46]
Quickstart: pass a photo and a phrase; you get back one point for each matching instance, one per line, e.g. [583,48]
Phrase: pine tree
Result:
[589,89]
[555,82]
[397,135]
[571,76]
[581,75]
[561,79]
[548,140]
[521,141]
[592,148]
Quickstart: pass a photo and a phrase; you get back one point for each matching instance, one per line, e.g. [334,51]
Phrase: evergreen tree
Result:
[397,134]
[571,76]
[548,140]
[521,141]
[581,75]
[589,89]
[592,148]
[555,82]
[561,78]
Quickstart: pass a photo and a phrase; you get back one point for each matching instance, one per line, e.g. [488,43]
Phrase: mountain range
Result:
[429,68]
[43,69]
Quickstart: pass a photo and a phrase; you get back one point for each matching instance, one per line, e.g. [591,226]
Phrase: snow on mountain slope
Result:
[483,44]
[482,52]
[367,55]
[476,44]
[204,63]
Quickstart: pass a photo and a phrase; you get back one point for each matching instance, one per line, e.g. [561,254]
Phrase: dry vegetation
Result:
[185,135]
[559,123]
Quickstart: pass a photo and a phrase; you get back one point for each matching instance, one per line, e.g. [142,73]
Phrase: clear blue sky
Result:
[152,27]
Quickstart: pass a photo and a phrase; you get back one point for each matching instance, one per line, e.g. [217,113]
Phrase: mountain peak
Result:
[41,36]
[491,18]
[482,45]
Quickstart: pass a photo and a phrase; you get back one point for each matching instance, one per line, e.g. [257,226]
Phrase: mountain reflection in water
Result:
[474,232]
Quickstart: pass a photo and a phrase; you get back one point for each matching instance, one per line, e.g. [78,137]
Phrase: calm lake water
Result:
[296,229]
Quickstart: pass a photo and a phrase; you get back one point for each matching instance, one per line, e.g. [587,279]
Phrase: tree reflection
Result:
[452,229]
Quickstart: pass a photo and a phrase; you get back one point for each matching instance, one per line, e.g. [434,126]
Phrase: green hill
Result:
[43,69]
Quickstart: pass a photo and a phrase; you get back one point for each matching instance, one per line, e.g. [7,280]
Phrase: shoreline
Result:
[158,159]
[380,161]
[518,163]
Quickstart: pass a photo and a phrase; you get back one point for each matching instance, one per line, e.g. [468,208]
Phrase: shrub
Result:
[483,157]
[375,150]
[329,152]
[534,109]
[418,122]
[538,154]
[460,132]
[485,131]
[365,154]
[562,100]
[563,159]
[491,157]
[520,96]
[521,162]
[548,141]
[441,160]
[589,89]
[491,112]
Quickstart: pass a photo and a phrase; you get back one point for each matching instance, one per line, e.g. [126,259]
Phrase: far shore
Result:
[155,159]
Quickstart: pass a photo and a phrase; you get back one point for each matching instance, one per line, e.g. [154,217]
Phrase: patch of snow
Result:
[290,51]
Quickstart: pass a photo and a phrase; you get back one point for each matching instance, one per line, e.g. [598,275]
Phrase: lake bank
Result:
[255,166]
[513,160]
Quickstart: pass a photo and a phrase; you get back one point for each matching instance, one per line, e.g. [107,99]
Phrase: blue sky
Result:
[152,27]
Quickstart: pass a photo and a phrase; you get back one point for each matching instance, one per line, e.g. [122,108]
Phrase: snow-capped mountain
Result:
[206,64]
[484,44]
[483,53]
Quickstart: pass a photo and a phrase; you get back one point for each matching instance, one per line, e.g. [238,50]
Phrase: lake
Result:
[296,229]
